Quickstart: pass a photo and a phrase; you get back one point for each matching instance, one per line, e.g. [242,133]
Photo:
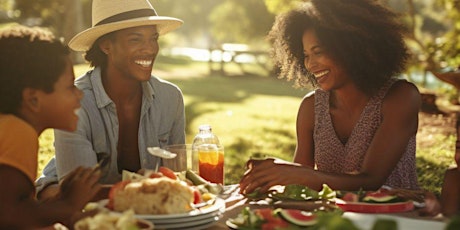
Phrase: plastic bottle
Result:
[208,151]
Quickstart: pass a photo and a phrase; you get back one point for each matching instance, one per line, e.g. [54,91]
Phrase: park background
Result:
[219,58]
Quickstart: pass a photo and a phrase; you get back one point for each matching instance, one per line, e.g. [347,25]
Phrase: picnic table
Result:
[239,54]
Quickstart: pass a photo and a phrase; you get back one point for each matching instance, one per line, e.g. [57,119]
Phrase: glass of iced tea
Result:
[211,163]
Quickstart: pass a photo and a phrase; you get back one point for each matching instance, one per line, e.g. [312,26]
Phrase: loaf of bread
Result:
[154,196]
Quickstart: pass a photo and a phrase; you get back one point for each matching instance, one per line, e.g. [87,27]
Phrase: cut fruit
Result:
[379,197]
[350,197]
[298,217]
[364,207]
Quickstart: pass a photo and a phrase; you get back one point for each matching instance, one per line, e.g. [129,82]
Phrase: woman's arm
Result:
[304,152]
[277,172]
[400,110]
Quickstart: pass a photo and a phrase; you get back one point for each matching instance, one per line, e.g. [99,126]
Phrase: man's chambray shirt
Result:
[162,123]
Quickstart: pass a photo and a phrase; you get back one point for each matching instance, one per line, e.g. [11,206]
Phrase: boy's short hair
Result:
[29,58]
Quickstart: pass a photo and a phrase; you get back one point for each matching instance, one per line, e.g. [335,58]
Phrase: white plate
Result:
[186,219]
[197,227]
[197,214]
[189,224]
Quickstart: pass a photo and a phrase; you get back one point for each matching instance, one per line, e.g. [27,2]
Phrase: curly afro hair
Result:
[365,37]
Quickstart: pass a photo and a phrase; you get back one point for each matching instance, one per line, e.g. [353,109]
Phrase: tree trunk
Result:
[73,23]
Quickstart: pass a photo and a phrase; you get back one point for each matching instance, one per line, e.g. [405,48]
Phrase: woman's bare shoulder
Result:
[308,100]
[403,87]
[403,93]
[307,105]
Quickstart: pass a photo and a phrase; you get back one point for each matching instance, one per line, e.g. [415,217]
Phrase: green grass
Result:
[432,162]
[254,115]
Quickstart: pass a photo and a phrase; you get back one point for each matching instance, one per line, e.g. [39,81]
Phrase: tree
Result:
[242,21]
[73,23]
[64,17]
[434,35]
[449,43]
[195,31]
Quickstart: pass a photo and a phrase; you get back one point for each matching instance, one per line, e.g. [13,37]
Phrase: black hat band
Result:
[128,15]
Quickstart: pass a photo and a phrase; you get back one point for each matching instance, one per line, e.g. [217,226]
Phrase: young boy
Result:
[36,93]
[449,202]
[450,193]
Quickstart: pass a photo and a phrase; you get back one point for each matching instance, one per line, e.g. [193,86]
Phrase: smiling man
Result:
[125,109]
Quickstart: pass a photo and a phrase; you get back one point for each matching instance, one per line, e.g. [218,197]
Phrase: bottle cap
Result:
[204,127]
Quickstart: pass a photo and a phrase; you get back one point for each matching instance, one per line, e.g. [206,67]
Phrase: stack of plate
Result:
[196,219]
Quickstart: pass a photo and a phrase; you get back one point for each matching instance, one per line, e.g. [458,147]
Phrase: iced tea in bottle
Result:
[210,154]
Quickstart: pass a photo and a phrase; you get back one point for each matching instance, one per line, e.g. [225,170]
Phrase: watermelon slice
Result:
[379,197]
[298,217]
[364,207]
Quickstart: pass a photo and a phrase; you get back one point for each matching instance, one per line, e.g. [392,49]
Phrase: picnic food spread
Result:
[299,207]
[284,214]
[185,200]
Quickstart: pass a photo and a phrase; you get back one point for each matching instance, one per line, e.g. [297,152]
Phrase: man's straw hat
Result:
[113,15]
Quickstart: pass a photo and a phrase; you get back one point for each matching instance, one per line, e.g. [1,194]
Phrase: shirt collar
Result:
[103,100]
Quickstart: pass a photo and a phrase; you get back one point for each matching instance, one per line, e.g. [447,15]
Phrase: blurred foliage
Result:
[434,25]
[434,33]
[195,30]
[279,6]
[242,21]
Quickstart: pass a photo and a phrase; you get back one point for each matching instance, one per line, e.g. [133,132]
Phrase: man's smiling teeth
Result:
[144,63]
[322,73]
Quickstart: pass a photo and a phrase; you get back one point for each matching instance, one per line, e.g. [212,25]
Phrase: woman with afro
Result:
[357,129]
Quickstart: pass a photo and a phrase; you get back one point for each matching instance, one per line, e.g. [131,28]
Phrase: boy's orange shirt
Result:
[18,145]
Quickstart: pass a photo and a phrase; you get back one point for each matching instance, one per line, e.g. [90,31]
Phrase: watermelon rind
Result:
[298,217]
[380,198]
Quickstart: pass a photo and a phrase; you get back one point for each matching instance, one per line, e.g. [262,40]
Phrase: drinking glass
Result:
[183,160]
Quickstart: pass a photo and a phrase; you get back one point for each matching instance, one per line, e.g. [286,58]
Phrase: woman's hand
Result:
[264,174]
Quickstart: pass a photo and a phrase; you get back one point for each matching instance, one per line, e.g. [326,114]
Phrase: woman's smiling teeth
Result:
[321,73]
[144,63]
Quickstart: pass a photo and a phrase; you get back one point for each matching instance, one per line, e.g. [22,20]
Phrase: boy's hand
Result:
[80,186]
[432,205]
